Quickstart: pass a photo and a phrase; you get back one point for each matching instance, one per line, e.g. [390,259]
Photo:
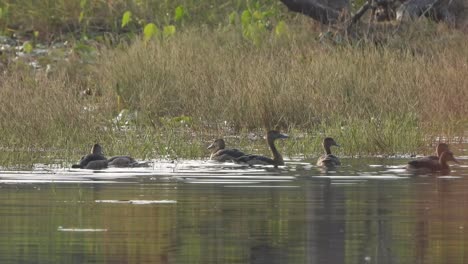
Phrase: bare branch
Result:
[323,13]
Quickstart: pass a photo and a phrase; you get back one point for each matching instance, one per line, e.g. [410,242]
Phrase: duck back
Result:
[328,161]
[227,154]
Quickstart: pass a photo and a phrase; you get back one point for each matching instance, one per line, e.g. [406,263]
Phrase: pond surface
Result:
[367,211]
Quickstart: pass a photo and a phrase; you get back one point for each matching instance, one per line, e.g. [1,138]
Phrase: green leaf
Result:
[268,13]
[232,18]
[246,18]
[150,31]
[4,11]
[126,18]
[28,47]
[258,15]
[169,31]
[81,16]
[179,13]
[281,29]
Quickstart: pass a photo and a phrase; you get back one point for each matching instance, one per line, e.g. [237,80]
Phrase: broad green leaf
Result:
[81,16]
[281,29]
[257,15]
[126,18]
[232,18]
[179,13]
[4,11]
[248,31]
[168,31]
[28,47]
[150,31]
[246,18]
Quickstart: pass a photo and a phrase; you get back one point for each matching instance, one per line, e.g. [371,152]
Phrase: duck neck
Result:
[443,163]
[214,150]
[276,155]
[327,149]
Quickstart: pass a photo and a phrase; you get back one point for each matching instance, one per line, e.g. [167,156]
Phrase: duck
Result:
[220,153]
[126,162]
[440,148]
[97,165]
[94,161]
[122,162]
[277,160]
[328,160]
[428,165]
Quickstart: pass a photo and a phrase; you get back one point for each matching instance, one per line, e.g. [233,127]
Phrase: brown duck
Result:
[426,165]
[93,161]
[277,160]
[219,152]
[328,160]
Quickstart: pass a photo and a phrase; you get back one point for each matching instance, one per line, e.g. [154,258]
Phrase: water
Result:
[367,211]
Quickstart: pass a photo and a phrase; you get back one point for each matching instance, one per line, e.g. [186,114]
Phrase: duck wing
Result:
[96,165]
[328,161]
[227,154]
[424,163]
[255,159]
[122,161]
[89,158]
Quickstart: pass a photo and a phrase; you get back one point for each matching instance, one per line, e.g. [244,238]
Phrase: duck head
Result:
[217,145]
[97,149]
[328,142]
[441,148]
[275,134]
[448,156]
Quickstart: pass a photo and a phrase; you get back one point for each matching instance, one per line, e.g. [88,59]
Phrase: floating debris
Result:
[61,229]
[137,201]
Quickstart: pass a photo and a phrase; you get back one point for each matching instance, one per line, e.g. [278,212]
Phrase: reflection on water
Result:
[366,211]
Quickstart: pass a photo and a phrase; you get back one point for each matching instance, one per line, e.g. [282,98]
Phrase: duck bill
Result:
[283,136]
[456,161]
[210,146]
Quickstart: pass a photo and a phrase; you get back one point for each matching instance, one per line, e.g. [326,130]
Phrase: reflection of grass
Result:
[198,85]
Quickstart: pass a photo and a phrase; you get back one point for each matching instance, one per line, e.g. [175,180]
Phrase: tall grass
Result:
[295,83]
[200,84]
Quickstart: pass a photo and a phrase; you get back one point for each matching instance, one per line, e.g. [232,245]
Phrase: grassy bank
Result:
[182,91]
[298,82]
[191,87]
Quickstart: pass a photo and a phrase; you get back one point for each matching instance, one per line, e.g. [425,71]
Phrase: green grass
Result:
[183,90]
[55,19]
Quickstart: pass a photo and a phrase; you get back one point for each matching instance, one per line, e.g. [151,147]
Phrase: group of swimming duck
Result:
[219,152]
[96,160]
